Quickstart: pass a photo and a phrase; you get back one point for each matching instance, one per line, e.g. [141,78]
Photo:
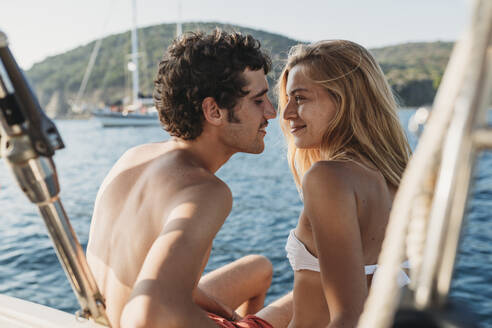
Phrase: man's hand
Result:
[212,305]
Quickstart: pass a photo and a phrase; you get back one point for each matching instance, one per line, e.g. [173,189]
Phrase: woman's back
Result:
[367,201]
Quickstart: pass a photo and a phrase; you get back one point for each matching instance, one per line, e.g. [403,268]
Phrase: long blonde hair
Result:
[365,126]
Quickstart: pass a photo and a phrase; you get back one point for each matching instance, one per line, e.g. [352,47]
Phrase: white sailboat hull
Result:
[117,119]
[17,313]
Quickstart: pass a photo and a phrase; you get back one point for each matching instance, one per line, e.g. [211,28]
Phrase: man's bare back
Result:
[131,209]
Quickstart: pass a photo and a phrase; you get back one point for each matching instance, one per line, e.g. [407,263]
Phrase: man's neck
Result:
[208,153]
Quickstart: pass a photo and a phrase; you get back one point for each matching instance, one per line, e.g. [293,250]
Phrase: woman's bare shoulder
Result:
[330,198]
[329,174]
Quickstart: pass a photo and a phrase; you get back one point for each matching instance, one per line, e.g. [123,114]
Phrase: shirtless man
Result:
[160,207]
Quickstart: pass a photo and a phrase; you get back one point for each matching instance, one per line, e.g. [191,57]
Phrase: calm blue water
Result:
[266,207]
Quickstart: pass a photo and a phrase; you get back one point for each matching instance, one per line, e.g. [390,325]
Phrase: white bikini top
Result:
[300,259]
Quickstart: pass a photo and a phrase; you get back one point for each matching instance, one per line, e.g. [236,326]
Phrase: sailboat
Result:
[440,169]
[141,111]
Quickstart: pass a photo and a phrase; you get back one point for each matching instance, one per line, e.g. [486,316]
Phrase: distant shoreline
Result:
[413,70]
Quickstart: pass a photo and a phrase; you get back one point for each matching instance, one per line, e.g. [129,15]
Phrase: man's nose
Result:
[270,111]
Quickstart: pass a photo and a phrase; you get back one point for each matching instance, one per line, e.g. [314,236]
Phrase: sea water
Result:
[266,206]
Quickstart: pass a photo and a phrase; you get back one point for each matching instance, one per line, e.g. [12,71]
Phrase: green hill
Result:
[414,70]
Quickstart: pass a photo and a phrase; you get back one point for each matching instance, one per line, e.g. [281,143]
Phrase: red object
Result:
[249,321]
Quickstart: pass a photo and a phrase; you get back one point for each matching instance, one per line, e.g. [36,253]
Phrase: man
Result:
[160,207]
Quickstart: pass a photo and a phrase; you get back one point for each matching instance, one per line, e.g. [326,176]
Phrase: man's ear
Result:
[212,112]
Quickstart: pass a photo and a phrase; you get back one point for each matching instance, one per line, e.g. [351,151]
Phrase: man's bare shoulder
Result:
[174,173]
[187,188]
[142,153]
[178,165]
[161,161]
[161,171]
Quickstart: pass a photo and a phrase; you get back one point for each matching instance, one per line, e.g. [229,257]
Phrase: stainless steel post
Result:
[28,141]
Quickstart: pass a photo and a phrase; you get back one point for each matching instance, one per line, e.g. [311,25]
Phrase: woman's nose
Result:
[289,111]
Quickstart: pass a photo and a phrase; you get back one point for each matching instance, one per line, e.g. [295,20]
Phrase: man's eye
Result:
[298,98]
[259,101]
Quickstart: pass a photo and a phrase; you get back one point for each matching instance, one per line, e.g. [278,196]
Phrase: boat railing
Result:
[429,208]
[28,140]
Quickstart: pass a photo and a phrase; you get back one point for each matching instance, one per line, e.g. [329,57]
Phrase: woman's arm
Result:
[330,206]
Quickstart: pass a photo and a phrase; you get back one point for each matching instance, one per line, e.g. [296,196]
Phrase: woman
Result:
[347,152]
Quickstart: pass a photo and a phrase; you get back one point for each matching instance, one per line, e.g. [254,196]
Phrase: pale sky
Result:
[40,28]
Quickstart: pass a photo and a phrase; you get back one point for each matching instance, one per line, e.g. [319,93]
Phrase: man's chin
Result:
[256,150]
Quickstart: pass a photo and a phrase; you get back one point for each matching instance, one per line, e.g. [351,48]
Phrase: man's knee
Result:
[261,265]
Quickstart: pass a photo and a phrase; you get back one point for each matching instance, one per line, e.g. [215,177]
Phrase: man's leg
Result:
[278,313]
[242,284]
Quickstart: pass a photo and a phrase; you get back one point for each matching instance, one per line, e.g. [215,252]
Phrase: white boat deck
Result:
[17,313]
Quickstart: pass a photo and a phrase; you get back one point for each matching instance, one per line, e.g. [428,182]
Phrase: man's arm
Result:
[163,293]
[210,304]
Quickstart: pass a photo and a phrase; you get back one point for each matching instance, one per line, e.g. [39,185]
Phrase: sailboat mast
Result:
[179,28]
[135,81]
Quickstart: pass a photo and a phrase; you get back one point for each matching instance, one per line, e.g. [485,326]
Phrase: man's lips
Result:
[263,128]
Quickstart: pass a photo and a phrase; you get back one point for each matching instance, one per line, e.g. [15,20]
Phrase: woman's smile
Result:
[296,129]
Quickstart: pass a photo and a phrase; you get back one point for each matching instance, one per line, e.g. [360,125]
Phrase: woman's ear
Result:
[211,111]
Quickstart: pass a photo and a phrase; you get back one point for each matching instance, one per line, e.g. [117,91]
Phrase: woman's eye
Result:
[259,101]
[298,99]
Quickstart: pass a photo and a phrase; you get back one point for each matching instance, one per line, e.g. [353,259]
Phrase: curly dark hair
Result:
[198,65]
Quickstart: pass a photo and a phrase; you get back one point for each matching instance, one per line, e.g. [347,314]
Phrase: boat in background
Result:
[141,114]
[109,119]
[141,111]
